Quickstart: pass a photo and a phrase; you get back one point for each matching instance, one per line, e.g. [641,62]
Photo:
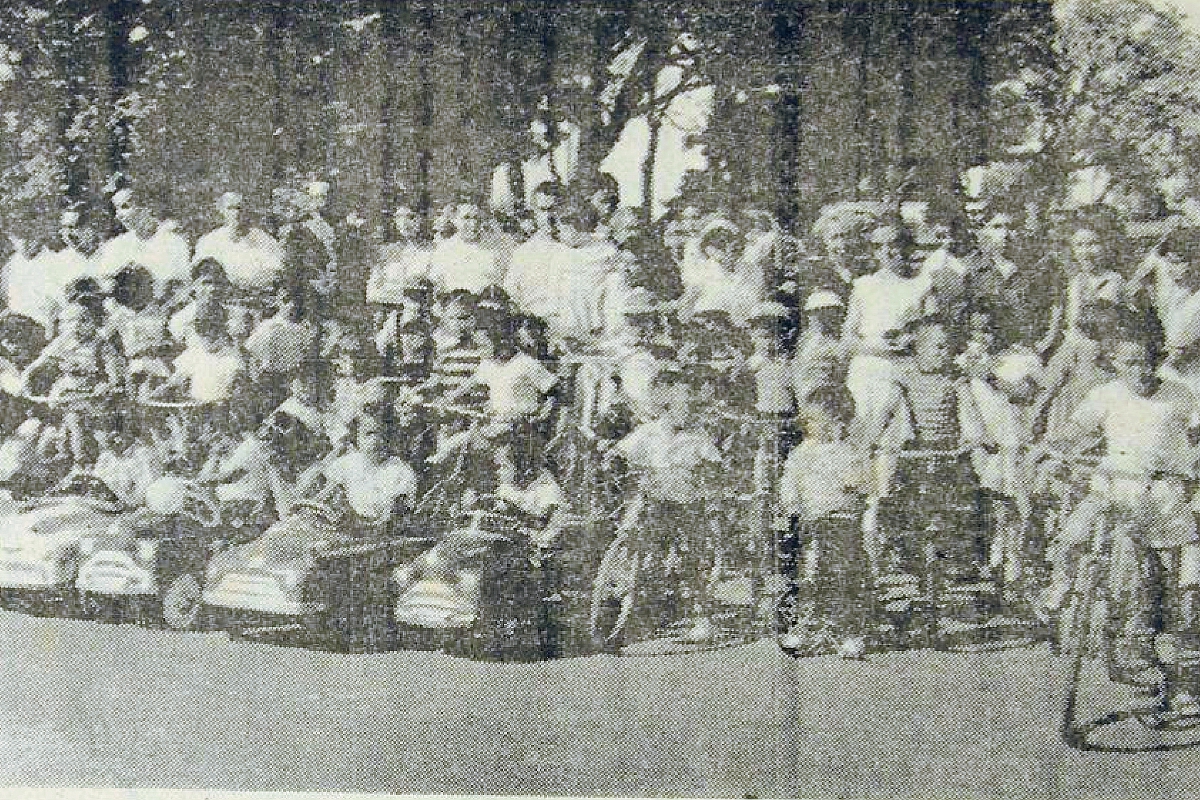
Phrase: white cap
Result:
[767,310]
[822,298]
[121,197]
[1018,364]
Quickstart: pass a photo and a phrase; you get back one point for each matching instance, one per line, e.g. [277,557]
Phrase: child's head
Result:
[415,341]
[932,344]
[674,393]
[456,314]
[209,279]
[823,311]
[133,287]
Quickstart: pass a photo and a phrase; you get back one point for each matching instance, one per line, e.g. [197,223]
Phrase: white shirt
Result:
[817,478]
[211,375]
[671,459]
[516,386]
[457,264]
[400,266]
[60,268]
[26,289]
[252,261]
[1142,434]
[165,253]
[372,488]
[535,275]
[881,303]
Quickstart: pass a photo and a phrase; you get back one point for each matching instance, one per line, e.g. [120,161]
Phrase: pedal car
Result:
[496,590]
[313,571]
[160,552]
[41,539]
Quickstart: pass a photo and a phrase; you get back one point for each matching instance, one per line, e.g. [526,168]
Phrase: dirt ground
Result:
[118,705]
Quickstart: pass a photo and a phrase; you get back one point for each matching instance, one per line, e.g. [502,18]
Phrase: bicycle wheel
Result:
[614,591]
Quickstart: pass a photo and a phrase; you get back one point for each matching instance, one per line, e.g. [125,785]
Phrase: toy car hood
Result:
[55,520]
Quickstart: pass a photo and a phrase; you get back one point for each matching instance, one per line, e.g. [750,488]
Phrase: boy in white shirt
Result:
[211,364]
[373,485]
[1139,493]
[881,305]
[680,470]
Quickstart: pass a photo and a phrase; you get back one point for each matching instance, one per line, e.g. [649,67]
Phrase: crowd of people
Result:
[840,417]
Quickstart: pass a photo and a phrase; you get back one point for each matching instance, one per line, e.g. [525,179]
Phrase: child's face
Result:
[1085,248]
[1134,367]
[932,351]
[456,319]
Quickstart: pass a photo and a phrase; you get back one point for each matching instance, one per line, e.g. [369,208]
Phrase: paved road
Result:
[85,703]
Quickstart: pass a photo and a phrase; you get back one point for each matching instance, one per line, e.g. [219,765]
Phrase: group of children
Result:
[897,440]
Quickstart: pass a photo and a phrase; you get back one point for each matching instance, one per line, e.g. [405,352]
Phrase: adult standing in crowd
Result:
[155,244]
[252,258]
[462,260]
[1027,302]
[66,260]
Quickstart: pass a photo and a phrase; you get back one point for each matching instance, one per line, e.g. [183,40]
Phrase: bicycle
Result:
[1086,628]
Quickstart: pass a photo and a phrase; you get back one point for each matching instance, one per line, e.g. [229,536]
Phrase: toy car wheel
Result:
[181,602]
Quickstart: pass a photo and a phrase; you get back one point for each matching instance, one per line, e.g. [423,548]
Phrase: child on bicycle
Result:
[927,425]
[1138,498]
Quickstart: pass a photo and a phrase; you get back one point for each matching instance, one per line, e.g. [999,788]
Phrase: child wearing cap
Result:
[818,366]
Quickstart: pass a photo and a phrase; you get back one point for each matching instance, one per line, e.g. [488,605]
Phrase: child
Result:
[821,495]
[927,424]
[89,371]
[818,366]
[457,355]
[519,395]
[1149,428]
[374,486]
[141,326]
[679,468]
[129,464]
[212,364]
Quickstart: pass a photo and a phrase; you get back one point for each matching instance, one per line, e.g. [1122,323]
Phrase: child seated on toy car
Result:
[373,487]
[87,369]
